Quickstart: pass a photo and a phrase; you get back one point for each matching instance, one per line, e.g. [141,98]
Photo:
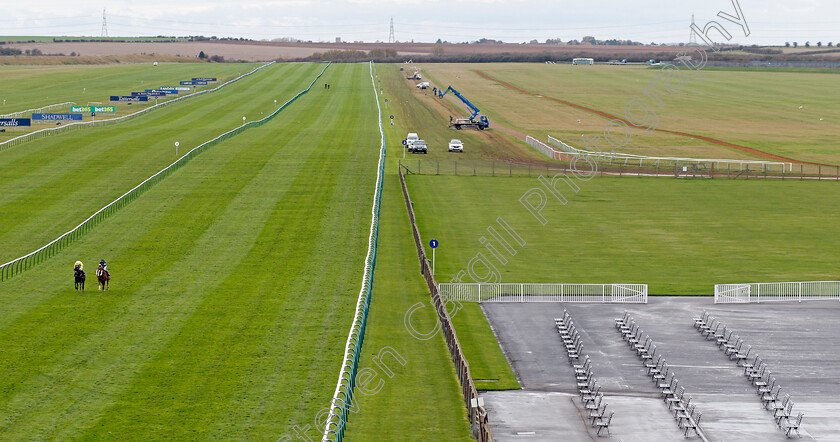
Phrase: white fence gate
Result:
[777,291]
[532,292]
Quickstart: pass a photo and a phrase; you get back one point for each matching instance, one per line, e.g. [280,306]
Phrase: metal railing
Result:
[537,292]
[37,110]
[345,388]
[73,126]
[26,262]
[627,158]
[777,291]
[479,423]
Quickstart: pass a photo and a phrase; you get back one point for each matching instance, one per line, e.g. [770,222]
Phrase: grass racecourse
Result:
[52,184]
[792,114]
[234,280]
[30,87]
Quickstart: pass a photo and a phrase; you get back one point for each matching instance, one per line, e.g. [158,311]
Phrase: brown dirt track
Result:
[745,149]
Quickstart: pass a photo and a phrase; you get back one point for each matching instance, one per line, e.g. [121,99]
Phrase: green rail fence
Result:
[345,388]
[74,126]
[24,263]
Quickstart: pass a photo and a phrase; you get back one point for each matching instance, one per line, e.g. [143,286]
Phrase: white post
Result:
[433,262]
[800,292]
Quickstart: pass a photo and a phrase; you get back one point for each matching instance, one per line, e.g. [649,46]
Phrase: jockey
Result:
[78,265]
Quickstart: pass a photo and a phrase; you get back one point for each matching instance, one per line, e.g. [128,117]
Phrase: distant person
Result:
[103,275]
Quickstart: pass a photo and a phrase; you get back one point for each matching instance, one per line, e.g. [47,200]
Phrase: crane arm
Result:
[467,102]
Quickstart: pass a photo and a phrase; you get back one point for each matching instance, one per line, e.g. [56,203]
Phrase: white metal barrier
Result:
[549,151]
[531,292]
[628,158]
[777,291]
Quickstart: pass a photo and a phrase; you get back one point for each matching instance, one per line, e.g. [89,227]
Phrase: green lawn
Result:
[234,283]
[758,109]
[52,184]
[395,412]
[679,236]
[31,87]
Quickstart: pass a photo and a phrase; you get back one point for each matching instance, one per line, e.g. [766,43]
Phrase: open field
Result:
[266,51]
[755,109]
[48,85]
[52,184]
[680,237]
[223,321]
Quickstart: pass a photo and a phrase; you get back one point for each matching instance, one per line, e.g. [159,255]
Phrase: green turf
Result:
[52,184]
[758,109]
[423,399]
[394,411]
[679,236]
[31,87]
[234,281]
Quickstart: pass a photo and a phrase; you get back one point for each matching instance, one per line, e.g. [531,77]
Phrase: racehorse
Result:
[79,274]
[104,278]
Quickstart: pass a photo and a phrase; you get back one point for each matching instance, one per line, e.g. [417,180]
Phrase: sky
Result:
[770,22]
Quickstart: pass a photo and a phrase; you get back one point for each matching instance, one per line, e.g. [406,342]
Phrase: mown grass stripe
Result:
[37,256]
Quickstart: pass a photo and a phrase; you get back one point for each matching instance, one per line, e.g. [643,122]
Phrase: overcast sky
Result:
[660,21]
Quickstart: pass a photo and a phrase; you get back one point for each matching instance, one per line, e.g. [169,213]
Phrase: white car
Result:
[455,145]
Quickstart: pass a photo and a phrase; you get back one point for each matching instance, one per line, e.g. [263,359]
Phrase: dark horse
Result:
[104,277]
[79,274]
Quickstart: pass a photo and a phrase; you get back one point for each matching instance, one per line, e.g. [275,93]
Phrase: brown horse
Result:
[104,278]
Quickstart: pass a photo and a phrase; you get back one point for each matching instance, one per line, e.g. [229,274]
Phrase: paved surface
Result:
[796,340]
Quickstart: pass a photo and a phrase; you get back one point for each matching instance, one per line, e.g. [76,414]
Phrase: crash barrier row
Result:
[777,292]
[73,126]
[626,159]
[345,388]
[24,263]
[588,387]
[38,110]
[477,414]
[686,415]
[614,163]
[755,370]
[532,292]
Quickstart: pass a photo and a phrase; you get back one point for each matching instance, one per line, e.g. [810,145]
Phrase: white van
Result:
[410,139]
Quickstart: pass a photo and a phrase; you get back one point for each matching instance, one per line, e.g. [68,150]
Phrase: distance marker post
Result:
[433,244]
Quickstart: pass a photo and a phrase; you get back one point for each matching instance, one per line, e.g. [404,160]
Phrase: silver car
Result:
[455,145]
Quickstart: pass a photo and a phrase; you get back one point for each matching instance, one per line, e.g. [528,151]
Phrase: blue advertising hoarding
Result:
[169,88]
[204,79]
[148,94]
[57,117]
[193,83]
[132,98]
[15,122]
[161,91]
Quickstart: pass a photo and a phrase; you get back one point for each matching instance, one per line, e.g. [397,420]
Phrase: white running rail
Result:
[19,265]
[344,389]
[40,109]
[72,126]
[777,292]
[533,292]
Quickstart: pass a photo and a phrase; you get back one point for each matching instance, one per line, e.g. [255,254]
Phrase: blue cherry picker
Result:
[475,120]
